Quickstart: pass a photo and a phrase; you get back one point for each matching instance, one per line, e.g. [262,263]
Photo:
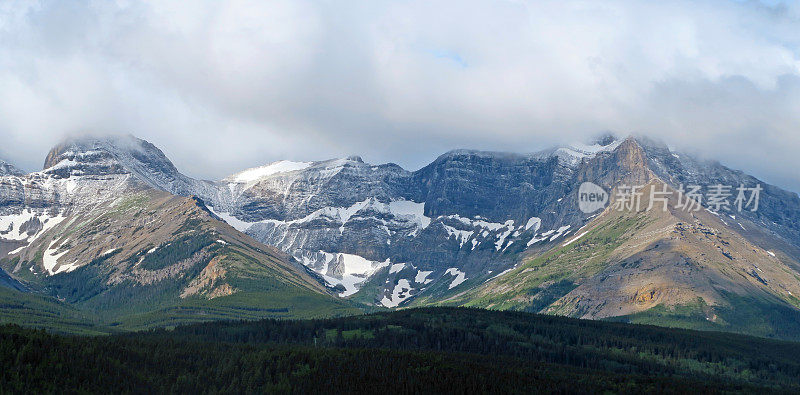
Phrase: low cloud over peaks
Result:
[225,86]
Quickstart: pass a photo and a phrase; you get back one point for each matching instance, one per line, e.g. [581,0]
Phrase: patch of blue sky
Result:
[453,56]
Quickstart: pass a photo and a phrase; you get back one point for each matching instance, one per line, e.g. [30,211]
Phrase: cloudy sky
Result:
[224,86]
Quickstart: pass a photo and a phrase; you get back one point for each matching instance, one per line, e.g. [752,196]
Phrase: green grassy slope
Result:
[44,312]
[153,259]
[659,268]
[538,282]
[745,315]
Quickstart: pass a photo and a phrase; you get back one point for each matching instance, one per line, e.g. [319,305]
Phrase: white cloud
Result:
[225,86]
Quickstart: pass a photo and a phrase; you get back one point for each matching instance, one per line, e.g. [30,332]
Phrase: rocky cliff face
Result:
[389,236]
[304,189]
[379,226]
[495,186]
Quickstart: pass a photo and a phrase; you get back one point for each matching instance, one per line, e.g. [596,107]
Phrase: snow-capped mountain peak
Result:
[117,155]
[572,154]
[257,173]
[106,154]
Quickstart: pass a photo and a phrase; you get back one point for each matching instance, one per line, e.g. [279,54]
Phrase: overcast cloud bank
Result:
[222,87]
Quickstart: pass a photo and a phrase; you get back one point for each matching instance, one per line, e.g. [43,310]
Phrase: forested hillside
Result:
[432,349]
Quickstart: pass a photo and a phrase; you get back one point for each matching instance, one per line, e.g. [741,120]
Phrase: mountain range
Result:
[111,231]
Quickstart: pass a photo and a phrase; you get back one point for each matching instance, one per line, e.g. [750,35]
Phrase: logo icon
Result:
[591,197]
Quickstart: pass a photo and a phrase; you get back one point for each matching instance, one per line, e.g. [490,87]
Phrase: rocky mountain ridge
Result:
[447,233]
[93,231]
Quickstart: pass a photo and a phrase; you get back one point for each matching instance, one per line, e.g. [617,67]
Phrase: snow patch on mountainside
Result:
[399,294]
[347,270]
[400,209]
[549,235]
[67,268]
[533,222]
[574,153]
[461,235]
[483,228]
[257,173]
[501,273]
[460,277]
[561,231]
[236,223]
[50,258]
[11,225]
[502,233]
[407,209]
[396,268]
[572,240]
[65,163]
[478,222]
[422,277]
[503,236]
[291,235]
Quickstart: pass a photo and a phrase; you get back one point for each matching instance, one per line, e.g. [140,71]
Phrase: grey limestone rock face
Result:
[470,212]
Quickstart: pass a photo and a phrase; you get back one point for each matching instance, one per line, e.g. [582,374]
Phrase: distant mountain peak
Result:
[7,169]
[88,147]
[119,155]
[605,139]
[463,152]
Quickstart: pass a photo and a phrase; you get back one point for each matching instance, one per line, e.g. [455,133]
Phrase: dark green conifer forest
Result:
[444,350]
